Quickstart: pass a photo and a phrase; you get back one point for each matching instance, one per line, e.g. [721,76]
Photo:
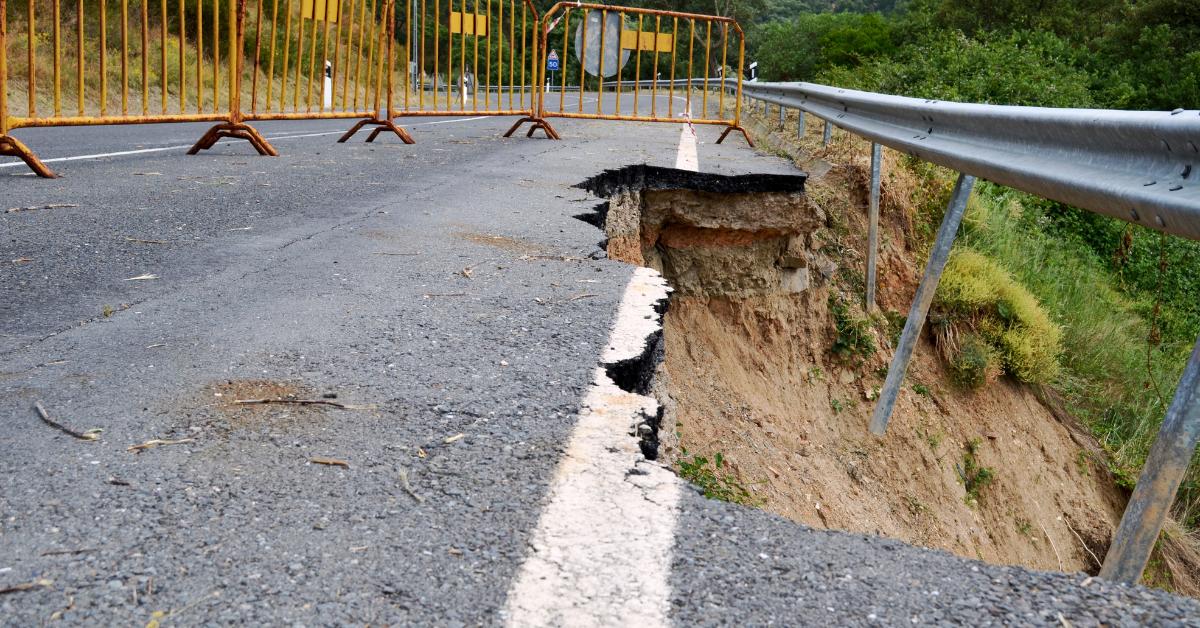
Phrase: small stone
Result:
[115,585]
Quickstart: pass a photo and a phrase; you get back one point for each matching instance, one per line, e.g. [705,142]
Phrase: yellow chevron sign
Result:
[327,8]
[477,26]
[647,41]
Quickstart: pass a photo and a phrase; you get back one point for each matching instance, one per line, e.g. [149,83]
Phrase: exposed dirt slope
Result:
[749,372]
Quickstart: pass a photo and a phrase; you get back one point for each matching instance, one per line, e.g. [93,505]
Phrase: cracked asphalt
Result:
[446,294]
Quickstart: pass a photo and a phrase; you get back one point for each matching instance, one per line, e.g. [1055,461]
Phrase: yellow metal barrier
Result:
[237,61]
[641,65]
[323,59]
[468,57]
[161,72]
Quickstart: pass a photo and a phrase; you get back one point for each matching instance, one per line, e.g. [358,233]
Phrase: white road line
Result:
[601,554]
[164,149]
[686,158]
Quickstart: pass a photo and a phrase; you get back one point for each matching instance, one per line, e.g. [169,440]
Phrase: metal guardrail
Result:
[1138,166]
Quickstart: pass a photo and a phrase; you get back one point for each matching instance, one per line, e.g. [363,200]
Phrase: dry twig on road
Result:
[27,586]
[150,444]
[89,435]
[301,402]
[13,210]
[408,487]
[330,462]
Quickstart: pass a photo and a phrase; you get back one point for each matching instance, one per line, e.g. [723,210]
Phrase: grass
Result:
[1112,377]
[1006,322]
[714,479]
[975,477]
[852,334]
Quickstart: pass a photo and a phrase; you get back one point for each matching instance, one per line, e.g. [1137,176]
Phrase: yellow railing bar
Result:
[32,58]
[707,49]
[349,64]
[583,58]
[562,93]
[182,59]
[124,57]
[475,57]
[216,88]
[737,113]
[462,57]
[237,10]
[162,5]
[79,96]
[4,67]
[691,47]
[437,29]
[199,56]
[408,46]
[337,71]
[57,54]
[287,51]
[103,59]
[620,66]
[724,62]
[145,58]
[654,73]
[637,69]
[258,20]
[674,47]
[600,68]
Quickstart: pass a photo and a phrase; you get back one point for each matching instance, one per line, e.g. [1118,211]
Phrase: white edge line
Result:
[601,552]
[164,149]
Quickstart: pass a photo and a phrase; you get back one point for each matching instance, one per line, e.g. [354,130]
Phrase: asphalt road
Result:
[444,291]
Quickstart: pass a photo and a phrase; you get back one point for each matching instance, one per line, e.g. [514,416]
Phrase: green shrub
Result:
[974,363]
[853,338]
[978,294]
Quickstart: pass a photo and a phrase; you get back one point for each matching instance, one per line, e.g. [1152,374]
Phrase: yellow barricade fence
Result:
[100,62]
[644,65]
[322,59]
[469,57]
[173,64]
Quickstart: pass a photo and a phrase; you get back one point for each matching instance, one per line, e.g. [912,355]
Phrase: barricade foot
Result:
[537,123]
[12,147]
[731,129]
[238,131]
[380,127]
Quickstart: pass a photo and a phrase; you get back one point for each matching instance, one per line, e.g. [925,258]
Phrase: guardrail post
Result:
[828,132]
[921,302]
[873,225]
[1165,467]
[800,126]
[782,115]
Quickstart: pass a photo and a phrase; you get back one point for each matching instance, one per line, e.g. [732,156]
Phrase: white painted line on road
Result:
[164,149]
[687,158]
[601,554]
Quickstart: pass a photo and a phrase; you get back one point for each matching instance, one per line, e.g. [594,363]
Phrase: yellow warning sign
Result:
[647,41]
[326,8]
[477,26]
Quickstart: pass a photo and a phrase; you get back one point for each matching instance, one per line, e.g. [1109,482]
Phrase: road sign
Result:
[604,33]
[552,61]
